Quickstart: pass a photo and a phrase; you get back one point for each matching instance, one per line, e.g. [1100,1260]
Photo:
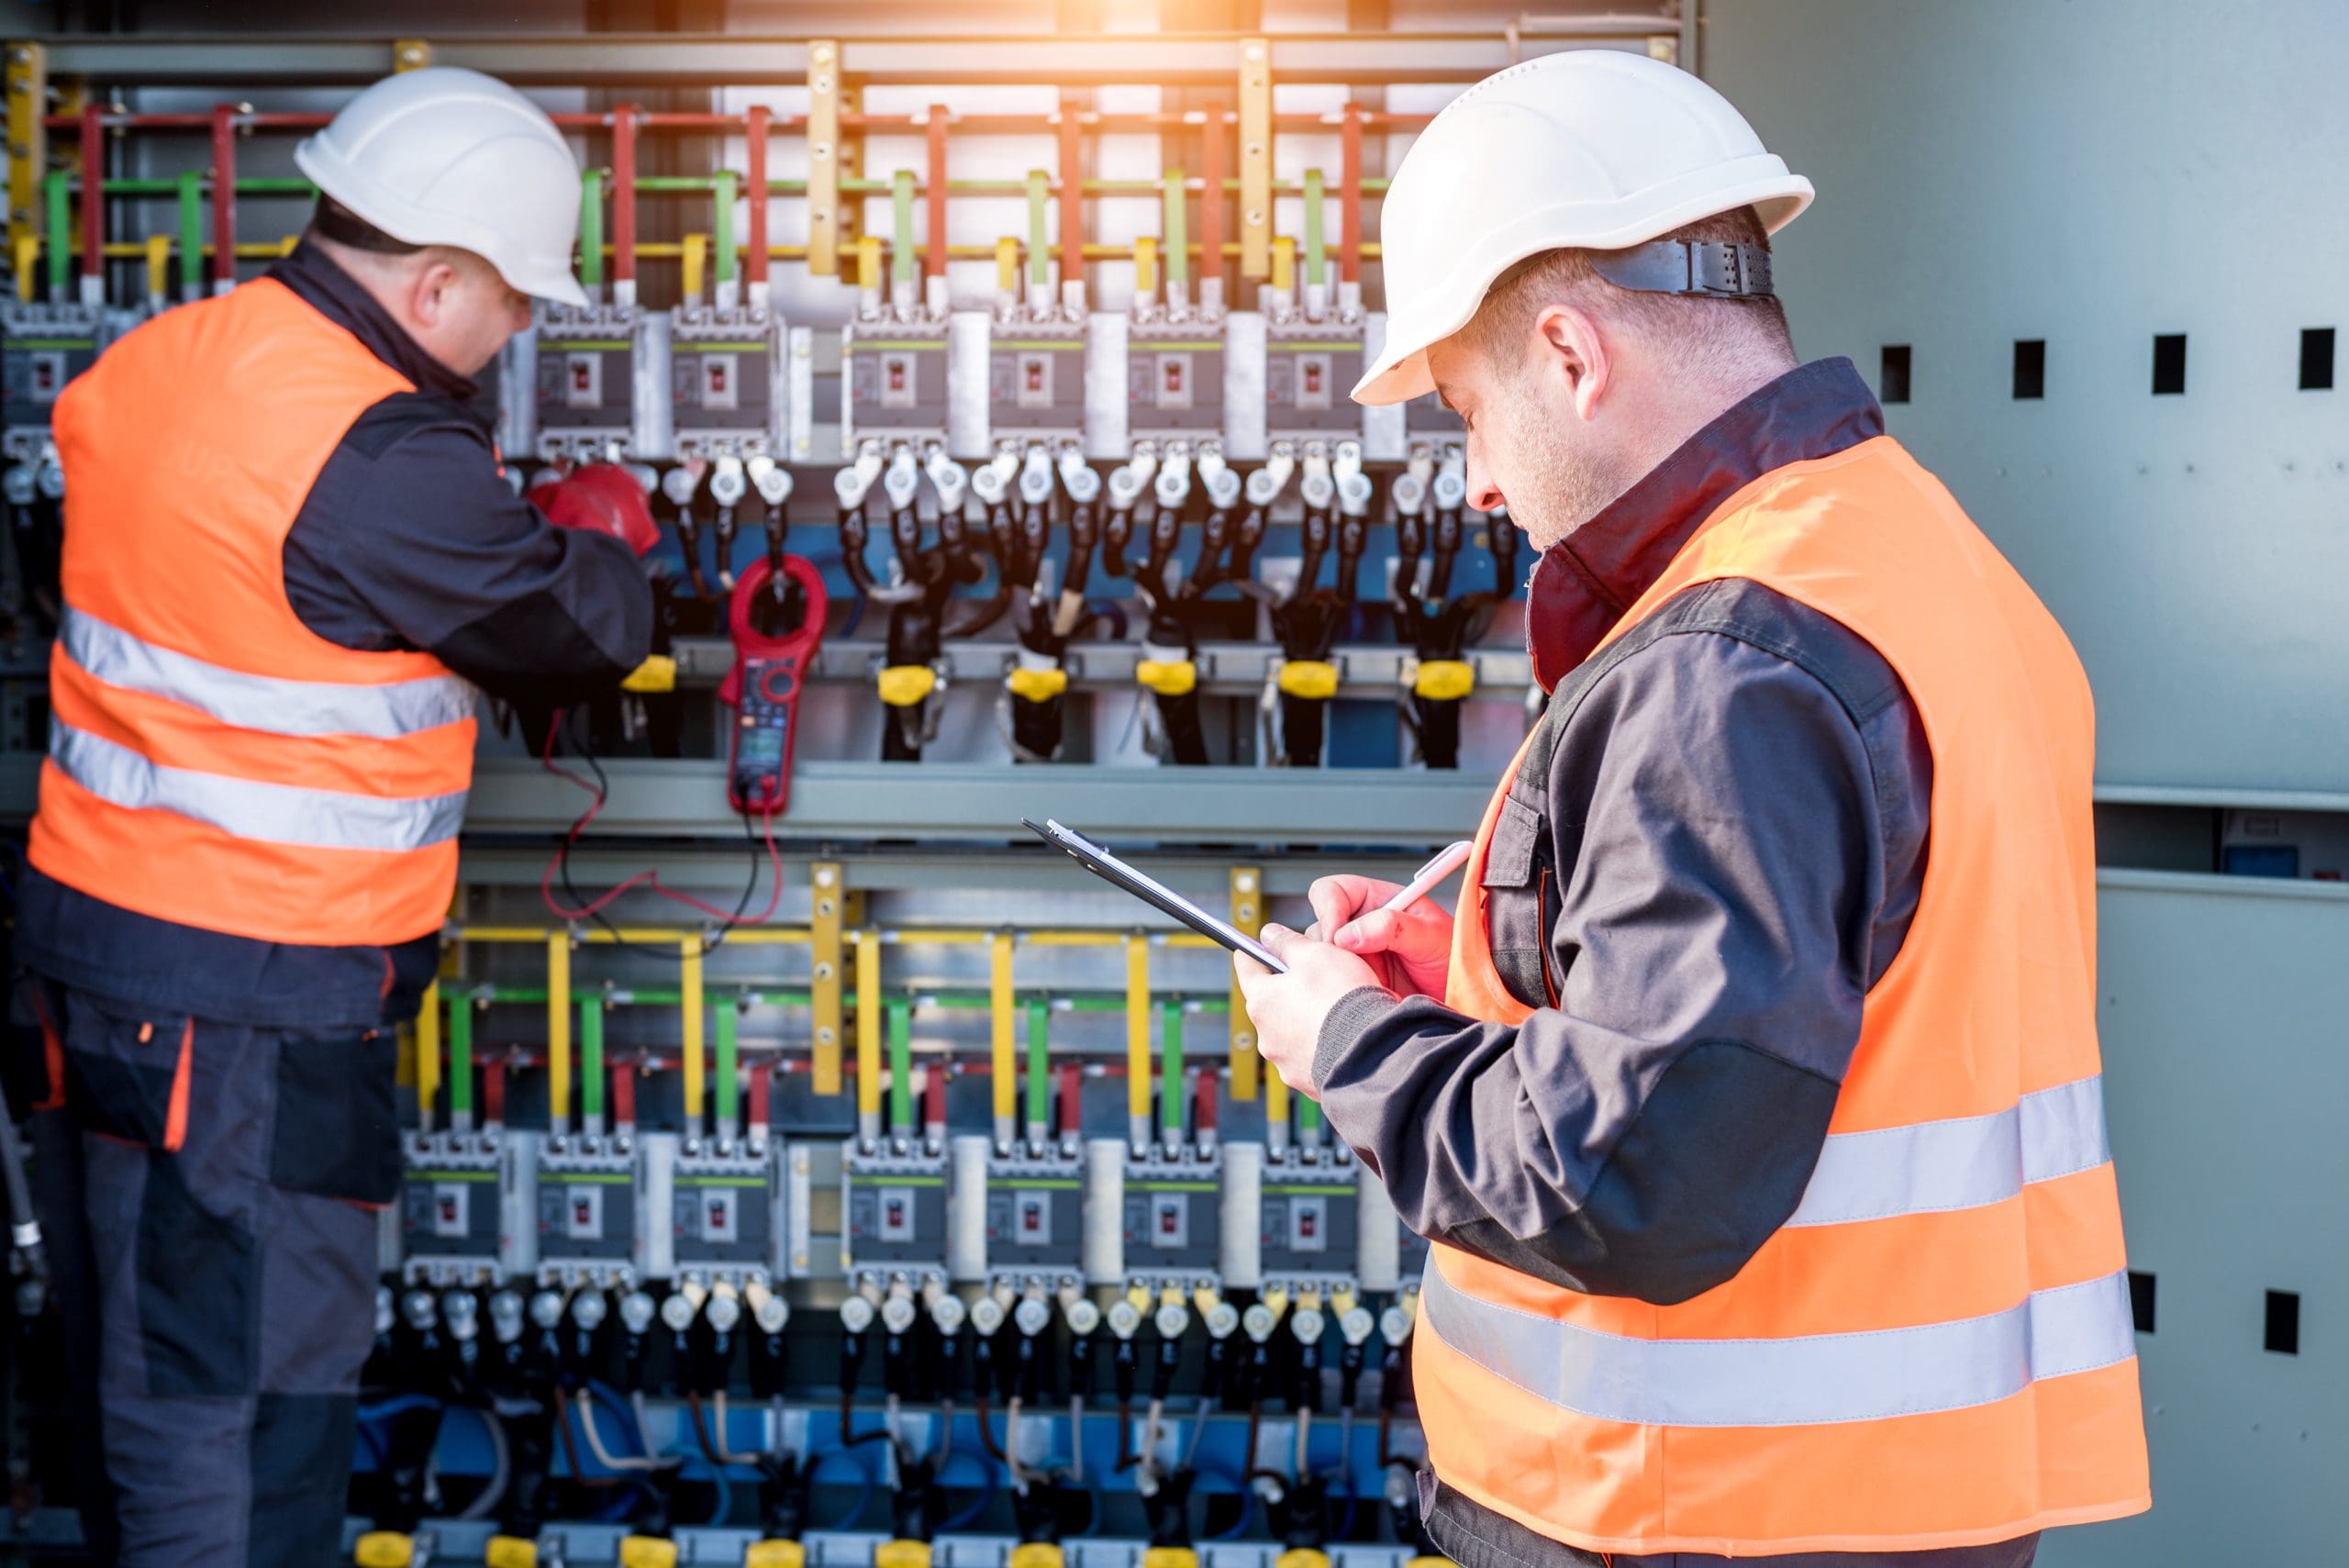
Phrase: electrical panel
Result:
[895,383]
[729,380]
[1035,1220]
[588,1226]
[1036,380]
[722,1213]
[1174,1225]
[1310,1235]
[464,1217]
[42,347]
[893,1217]
[602,382]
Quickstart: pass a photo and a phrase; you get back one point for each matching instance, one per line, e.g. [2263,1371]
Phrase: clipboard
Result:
[1157,895]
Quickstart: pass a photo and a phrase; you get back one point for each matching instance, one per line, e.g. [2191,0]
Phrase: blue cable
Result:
[623,1410]
[863,1475]
[398,1406]
[969,1515]
[1247,1503]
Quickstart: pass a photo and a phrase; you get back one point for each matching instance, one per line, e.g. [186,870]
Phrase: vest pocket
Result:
[124,1074]
[338,1132]
[1522,901]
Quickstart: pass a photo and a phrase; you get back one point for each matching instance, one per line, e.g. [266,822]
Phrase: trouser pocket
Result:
[120,1071]
[338,1132]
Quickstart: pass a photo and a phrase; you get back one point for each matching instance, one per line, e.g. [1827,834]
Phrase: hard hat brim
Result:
[1400,373]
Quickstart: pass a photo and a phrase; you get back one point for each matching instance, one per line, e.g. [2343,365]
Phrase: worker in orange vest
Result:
[290,560]
[1750,1101]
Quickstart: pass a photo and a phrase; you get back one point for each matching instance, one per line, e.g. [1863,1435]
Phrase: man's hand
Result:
[1411,951]
[1288,1010]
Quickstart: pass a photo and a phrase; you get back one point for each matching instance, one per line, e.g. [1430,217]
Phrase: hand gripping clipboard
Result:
[1112,870]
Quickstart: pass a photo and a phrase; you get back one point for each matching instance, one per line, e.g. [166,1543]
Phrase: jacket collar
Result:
[1583,584]
[337,295]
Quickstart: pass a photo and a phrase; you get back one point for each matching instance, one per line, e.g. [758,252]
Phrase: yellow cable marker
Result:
[383,1548]
[158,264]
[1036,1554]
[509,1552]
[648,1552]
[1444,680]
[868,263]
[696,258]
[1145,267]
[903,685]
[1285,264]
[1037,685]
[1309,678]
[1168,677]
[773,1554]
[901,1555]
[1007,264]
[657,674]
[28,252]
[559,1027]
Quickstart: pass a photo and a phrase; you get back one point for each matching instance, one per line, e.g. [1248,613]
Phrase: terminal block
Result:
[590,1233]
[588,384]
[893,1216]
[1172,1216]
[42,347]
[1310,1206]
[719,1213]
[1035,1214]
[464,1213]
[729,382]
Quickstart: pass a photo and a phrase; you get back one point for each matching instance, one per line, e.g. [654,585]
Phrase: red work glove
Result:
[602,499]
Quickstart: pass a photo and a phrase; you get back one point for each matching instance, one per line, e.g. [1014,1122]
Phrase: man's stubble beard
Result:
[1554,490]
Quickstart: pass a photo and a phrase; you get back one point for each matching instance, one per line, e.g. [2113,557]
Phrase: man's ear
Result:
[428,295]
[1569,344]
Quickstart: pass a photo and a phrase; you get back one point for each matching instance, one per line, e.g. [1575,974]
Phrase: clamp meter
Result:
[763,686]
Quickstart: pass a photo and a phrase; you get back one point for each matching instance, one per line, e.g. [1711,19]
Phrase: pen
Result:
[1430,876]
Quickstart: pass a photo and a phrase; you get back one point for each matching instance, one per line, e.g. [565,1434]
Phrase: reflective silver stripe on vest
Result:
[265,703]
[1936,1166]
[266,813]
[1813,1381]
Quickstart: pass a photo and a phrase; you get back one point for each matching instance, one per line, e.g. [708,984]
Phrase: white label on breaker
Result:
[452,1208]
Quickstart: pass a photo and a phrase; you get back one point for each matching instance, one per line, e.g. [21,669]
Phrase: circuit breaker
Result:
[601,380]
[728,382]
[717,1215]
[588,1226]
[1036,380]
[464,1212]
[893,1217]
[1309,1231]
[1035,1220]
[893,382]
[42,347]
[1174,1230]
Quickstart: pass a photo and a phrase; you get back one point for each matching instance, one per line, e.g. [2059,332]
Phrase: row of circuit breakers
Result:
[1041,1220]
[1184,386]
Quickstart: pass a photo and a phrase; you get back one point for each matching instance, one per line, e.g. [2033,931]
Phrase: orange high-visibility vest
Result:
[1937,1349]
[213,760]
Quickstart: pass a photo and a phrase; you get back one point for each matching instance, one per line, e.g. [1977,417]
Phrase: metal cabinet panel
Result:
[2089,175]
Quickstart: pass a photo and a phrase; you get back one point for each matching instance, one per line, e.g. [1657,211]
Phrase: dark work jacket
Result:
[1732,849]
[410,538]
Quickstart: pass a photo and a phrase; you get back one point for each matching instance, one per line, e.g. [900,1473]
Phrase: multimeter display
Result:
[765,682]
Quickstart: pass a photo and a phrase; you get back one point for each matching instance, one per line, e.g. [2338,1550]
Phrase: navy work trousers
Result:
[211,1192]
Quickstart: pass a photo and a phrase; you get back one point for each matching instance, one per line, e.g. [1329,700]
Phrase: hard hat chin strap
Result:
[1717,269]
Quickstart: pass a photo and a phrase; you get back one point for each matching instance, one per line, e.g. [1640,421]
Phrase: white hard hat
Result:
[1589,149]
[445,156]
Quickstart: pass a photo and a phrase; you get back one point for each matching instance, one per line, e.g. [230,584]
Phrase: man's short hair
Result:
[344,227]
[1694,323]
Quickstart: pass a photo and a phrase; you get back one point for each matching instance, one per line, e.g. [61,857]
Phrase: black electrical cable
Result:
[601,789]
